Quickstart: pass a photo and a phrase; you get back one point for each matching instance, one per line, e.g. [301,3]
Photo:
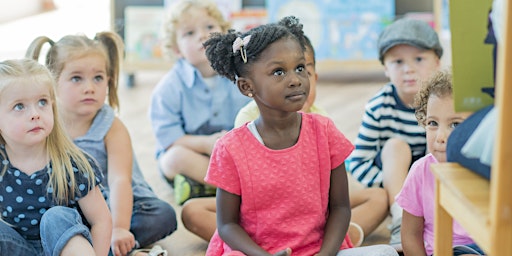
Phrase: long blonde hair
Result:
[61,150]
[107,44]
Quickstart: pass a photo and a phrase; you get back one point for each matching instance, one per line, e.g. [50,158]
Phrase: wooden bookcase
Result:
[483,207]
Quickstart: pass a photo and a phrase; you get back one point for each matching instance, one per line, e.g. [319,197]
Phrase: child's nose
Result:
[89,86]
[408,68]
[35,114]
[442,135]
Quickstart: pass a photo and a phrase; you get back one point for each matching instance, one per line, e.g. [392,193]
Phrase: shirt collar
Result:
[189,73]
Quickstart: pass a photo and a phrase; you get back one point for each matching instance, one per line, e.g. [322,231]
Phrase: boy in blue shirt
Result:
[191,107]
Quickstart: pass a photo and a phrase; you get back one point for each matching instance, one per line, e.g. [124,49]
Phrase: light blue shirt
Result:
[182,103]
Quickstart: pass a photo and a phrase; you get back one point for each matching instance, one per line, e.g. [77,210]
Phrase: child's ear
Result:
[176,52]
[245,86]
[386,72]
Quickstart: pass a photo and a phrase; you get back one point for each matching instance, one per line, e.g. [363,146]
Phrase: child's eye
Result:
[42,102]
[189,33]
[279,72]
[454,124]
[300,69]
[432,123]
[99,78]
[76,79]
[210,27]
[398,61]
[419,59]
[18,107]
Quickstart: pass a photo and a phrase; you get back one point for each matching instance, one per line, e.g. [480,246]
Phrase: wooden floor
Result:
[343,95]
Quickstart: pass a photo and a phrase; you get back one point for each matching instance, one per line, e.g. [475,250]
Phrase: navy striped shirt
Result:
[385,117]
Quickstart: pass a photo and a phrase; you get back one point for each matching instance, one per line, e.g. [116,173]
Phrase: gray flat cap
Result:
[416,33]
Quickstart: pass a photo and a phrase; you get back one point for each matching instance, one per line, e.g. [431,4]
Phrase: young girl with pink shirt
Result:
[281,182]
[436,112]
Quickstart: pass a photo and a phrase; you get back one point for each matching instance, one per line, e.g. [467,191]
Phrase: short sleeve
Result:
[222,171]
[340,146]
[410,197]
[82,178]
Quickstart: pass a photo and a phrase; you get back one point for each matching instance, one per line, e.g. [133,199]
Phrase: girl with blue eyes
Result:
[281,182]
[436,112]
[87,71]
[50,200]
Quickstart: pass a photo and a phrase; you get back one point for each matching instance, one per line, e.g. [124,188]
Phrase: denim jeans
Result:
[58,225]
[152,220]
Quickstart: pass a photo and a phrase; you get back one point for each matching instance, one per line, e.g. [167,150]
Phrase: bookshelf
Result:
[483,207]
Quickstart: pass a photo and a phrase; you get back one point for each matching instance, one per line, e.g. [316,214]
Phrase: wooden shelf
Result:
[463,193]
[483,207]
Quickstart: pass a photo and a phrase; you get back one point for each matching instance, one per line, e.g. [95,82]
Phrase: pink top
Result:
[284,193]
[417,198]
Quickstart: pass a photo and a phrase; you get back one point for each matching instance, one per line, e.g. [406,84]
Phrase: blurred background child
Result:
[191,107]
[389,139]
[86,71]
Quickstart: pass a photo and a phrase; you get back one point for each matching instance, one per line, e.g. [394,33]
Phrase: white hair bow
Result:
[240,44]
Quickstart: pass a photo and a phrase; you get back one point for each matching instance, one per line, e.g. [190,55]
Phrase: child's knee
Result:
[396,144]
[378,196]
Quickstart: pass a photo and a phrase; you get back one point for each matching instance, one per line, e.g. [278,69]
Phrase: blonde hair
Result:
[179,11]
[61,150]
[107,44]
[440,85]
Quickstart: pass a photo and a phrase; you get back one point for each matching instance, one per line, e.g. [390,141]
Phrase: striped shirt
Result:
[385,117]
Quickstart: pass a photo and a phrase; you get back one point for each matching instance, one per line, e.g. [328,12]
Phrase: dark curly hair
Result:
[440,85]
[219,47]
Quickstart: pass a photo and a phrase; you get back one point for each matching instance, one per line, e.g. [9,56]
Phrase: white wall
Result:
[14,9]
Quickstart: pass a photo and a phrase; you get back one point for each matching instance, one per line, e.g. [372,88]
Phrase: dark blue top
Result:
[25,198]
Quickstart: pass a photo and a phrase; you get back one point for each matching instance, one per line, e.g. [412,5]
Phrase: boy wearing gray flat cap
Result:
[389,138]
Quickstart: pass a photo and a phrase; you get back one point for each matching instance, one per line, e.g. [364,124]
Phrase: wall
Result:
[11,10]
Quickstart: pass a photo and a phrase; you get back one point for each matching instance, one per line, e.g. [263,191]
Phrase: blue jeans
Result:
[58,225]
[152,220]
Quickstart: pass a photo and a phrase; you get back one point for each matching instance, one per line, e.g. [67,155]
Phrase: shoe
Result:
[155,251]
[186,188]
[396,241]
[356,234]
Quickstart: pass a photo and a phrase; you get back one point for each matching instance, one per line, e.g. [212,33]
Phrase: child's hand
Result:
[122,241]
[285,252]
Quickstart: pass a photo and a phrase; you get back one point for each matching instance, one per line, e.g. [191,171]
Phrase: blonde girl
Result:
[86,71]
[50,202]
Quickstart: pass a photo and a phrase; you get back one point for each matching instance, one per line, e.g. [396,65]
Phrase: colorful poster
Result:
[338,29]
[142,33]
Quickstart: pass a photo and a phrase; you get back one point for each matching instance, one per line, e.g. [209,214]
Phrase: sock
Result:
[396,212]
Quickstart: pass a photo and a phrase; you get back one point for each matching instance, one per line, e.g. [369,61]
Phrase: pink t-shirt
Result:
[417,198]
[285,193]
